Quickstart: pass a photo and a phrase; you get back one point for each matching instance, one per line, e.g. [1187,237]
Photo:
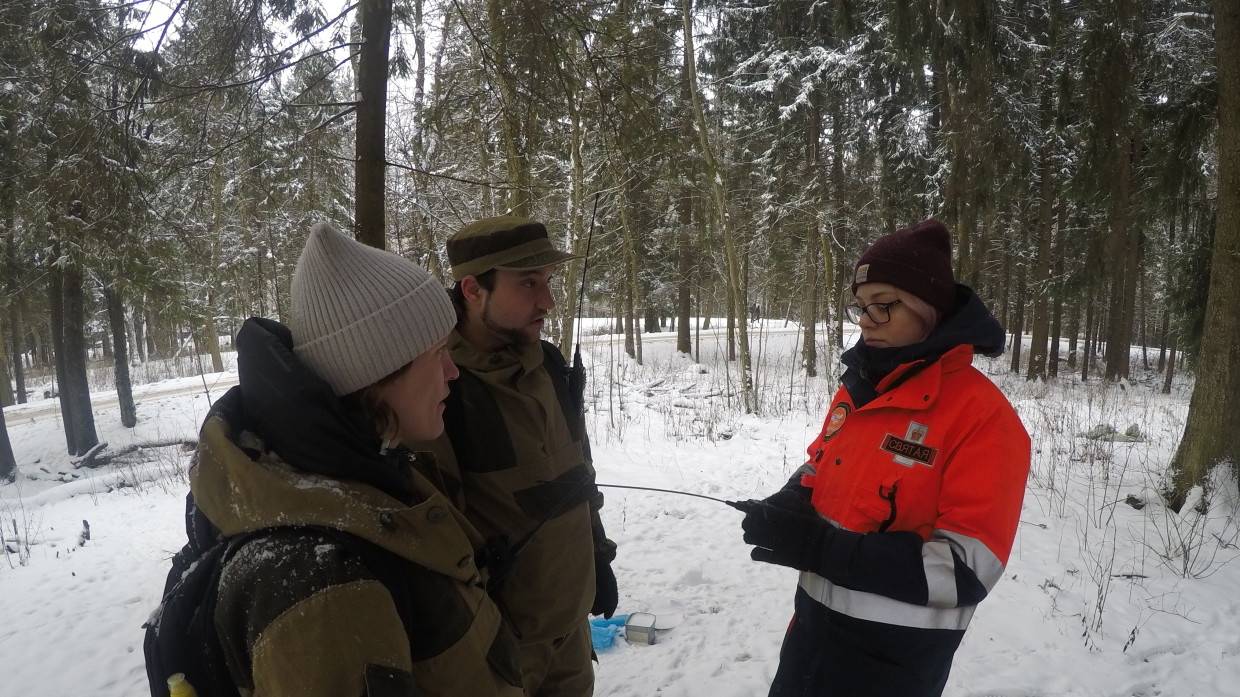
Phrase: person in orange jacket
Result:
[903,518]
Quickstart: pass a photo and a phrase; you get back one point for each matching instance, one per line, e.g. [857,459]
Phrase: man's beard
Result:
[509,335]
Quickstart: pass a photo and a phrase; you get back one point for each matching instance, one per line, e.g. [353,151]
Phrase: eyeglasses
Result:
[879,313]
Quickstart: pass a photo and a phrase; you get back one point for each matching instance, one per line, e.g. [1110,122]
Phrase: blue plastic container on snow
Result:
[603,632]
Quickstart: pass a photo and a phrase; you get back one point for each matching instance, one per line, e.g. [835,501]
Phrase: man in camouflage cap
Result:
[515,454]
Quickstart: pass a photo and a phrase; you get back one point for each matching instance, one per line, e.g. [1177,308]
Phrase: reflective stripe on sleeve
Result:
[879,608]
[985,565]
[940,566]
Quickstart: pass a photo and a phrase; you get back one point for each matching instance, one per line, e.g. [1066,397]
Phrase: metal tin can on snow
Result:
[640,629]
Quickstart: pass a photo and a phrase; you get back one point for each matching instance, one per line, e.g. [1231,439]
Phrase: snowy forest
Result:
[162,167]
[724,163]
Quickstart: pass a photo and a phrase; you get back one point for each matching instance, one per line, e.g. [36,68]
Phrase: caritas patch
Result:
[838,415]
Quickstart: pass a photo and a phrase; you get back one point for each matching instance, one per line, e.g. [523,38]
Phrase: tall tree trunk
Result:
[684,269]
[211,334]
[1119,333]
[650,317]
[6,387]
[980,272]
[1169,272]
[813,239]
[484,159]
[16,334]
[832,333]
[1142,296]
[375,17]
[1212,432]
[511,115]
[630,346]
[77,382]
[217,226]
[260,270]
[1041,287]
[1052,356]
[1170,374]
[722,215]
[1005,304]
[421,150]
[8,463]
[809,301]
[120,359]
[1074,332]
[277,291]
[730,322]
[148,342]
[42,336]
[578,237]
[832,263]
[1052,363]
[633,339]
[56,321]
[684,203]
[1087,354]
[1162,339]
[1018,320]
[16,337]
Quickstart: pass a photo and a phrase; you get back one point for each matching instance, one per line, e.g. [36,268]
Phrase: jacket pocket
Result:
[482,663]
[878,503]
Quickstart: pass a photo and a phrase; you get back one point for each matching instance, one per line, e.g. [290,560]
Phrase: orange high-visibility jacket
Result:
[941,454]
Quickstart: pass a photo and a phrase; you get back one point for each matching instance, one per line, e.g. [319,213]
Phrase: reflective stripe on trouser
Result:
[880,608]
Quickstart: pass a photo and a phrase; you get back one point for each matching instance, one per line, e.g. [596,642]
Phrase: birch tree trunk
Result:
[722,216]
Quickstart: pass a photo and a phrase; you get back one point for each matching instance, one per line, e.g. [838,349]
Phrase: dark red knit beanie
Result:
[916,259]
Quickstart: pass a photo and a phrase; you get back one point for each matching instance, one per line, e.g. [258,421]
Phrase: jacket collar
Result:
[243,487]
[920,389]
[514,358]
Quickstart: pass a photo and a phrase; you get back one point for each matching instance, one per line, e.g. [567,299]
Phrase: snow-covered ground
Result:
[1099,598]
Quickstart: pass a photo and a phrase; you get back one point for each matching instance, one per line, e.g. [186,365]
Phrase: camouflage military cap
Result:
[504,242]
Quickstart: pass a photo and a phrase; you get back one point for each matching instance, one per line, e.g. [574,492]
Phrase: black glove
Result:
[887,563]
[606,594]
[794,537]
[793,497]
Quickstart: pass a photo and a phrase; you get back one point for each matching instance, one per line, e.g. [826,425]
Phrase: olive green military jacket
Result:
[300,612]
[509,456]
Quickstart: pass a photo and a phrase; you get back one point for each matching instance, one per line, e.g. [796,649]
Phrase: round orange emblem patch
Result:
[836,421]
